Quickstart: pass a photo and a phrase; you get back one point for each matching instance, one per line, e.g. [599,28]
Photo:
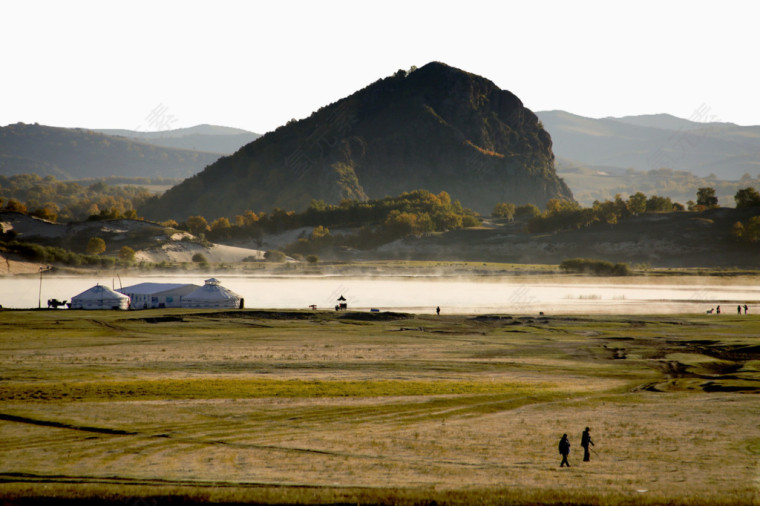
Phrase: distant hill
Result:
[78,154]
[435,128]
[207,138]
[656,141]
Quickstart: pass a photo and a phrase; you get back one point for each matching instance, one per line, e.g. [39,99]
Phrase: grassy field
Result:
[272,407]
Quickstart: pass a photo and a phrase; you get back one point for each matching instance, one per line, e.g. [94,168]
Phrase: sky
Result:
[165,64]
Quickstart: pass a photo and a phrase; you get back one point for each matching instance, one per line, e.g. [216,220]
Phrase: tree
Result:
[637,203]
[737,231]
[706,197]
[46,213]
[752,230]
[504,210]
[197,225]
[527,211]
[127,254]
[319,232]
[659,204]
[96,246]
[747,197]
[15,206]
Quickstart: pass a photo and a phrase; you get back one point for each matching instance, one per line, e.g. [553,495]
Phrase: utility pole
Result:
[39,297]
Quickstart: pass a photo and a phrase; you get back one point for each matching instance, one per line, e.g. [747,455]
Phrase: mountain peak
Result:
[437,128]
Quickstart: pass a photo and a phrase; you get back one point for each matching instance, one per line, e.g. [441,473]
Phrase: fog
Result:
[424,294]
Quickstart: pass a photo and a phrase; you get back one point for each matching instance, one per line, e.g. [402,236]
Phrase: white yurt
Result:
[100,297]
[212,295]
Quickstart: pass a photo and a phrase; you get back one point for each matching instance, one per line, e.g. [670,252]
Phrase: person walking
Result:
[745,309]
[585,441]
[564,450]
[438,310]
[739,309]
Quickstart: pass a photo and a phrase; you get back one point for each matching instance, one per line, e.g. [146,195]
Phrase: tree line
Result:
[568,215]
[368,223]
[53,200]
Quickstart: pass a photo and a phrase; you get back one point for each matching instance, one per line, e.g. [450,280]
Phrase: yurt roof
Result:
[99,292]
[212,290]
[158,288]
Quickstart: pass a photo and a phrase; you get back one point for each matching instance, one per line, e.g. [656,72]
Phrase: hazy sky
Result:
[152,65]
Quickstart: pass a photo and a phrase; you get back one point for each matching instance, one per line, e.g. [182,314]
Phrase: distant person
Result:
[564,450]
[745,308]
[438,310]
[585,441]
[739,309]
[717,310]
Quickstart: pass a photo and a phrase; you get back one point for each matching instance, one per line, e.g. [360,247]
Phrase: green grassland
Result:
[295,407]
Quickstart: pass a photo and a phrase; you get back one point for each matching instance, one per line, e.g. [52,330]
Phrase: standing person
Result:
[438,310]
[745,308]
[585,441]
[564,450]
[739,309]
[718,310]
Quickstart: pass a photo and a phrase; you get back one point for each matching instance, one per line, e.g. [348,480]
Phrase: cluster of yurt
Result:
[159,295]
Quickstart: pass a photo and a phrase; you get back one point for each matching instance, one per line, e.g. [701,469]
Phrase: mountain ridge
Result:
[206,138]
[78,153]
[655,141]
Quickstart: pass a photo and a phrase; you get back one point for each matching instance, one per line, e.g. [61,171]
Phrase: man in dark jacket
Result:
[564,450]
[585,441]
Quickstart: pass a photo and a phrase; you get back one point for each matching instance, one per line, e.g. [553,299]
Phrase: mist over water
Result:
[424,294]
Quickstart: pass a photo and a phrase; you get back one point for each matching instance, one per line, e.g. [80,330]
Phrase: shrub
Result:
[275,256]
[596,267]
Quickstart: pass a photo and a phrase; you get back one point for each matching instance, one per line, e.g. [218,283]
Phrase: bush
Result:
[595,267]
[275,256]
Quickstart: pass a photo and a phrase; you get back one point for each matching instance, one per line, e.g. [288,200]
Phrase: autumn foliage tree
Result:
[95,246]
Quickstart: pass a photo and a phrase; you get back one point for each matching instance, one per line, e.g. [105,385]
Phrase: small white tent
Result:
[212,295]
[100,297]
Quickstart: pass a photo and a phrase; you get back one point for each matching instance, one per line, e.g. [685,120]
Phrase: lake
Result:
[465,295]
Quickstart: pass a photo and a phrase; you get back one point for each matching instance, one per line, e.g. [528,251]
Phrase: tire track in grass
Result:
[61,425]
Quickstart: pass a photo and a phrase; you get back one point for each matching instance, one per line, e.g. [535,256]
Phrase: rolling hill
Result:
[68,153]
[648,142]
[206,138]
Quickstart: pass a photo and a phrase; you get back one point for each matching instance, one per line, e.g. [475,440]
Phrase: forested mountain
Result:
[657,141]
[68,153]
[207,138]
[436,128]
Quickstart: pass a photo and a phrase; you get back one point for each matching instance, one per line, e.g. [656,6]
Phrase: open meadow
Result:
[284,407]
